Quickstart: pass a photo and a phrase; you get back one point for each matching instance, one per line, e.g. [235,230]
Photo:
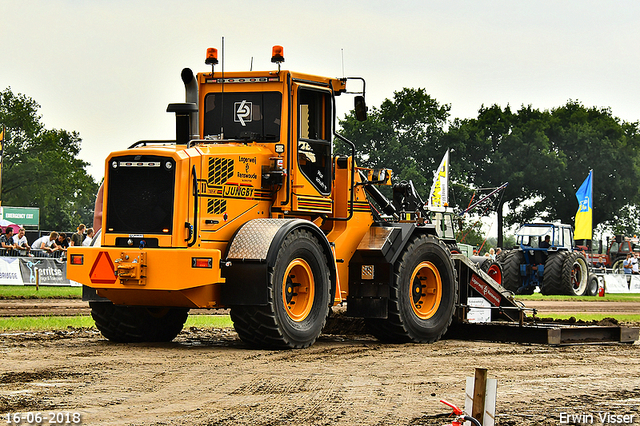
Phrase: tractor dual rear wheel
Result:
[299,298]
[130,324]
[422,295]
[511,278]
[565,273]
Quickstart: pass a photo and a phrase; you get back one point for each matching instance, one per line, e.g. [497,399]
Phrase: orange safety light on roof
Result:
[212,56]
[277,54]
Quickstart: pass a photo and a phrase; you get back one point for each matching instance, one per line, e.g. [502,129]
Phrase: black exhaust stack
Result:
[187,112]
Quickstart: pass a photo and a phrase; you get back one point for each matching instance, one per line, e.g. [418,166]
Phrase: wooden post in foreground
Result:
[479,394]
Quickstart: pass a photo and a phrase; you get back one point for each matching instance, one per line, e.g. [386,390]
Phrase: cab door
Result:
[313,150]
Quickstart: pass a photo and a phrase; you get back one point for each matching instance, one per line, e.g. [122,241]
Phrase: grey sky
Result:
[108,69]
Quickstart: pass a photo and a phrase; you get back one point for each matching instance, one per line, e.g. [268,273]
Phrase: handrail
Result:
[353,168]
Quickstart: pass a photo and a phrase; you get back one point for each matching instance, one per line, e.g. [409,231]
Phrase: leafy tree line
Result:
[40,167]
[544,155]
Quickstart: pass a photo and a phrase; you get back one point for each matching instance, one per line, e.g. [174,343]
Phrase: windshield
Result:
[251,116]
[533,236]
[534,231]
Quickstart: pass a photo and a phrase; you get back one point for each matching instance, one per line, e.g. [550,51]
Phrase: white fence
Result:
[620,283]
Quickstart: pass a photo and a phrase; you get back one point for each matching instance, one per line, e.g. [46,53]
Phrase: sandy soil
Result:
[208,377]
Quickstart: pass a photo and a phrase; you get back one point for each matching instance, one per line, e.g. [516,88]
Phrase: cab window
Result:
[567,238]
[243,115]
[314,137]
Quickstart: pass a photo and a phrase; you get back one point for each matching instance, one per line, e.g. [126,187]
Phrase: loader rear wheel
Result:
[422,295]
[128,324]
[298,289]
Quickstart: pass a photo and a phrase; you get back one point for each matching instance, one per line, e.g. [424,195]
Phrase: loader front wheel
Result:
[129,324]
[422,295]
[299,298]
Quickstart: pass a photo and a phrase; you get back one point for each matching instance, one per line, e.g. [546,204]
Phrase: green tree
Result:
[592,138]
[501,146]
[545,156]
[40,167]
[403,134]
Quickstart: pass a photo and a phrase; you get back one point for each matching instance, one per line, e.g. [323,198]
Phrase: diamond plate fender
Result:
[253,251]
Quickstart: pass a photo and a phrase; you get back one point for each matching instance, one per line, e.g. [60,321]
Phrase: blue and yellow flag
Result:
[585,210]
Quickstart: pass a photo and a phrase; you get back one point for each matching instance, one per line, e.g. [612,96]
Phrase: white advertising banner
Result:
[10,271]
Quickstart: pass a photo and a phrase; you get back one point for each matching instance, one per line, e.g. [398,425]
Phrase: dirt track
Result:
[208,377]
[37,307]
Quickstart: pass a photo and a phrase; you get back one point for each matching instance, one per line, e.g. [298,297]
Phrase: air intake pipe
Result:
[187,112]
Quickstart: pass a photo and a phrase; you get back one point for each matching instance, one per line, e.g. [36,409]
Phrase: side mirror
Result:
[360,108]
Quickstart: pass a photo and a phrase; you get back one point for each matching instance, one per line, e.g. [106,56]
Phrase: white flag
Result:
[439,195]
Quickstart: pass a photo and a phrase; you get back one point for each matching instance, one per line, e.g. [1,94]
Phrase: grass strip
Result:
[44,292]
[631,318]
[609,297]
[46,323]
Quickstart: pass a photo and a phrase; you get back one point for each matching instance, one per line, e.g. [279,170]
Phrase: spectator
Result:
[78,237]
[626,265]
[89,237]
[6,240]
[62,243]
[47,243]
[20,240]
[498,251]
[492,253]
[634,265]
[601,265]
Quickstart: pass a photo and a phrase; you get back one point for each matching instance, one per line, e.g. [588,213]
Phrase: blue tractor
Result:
[545,258]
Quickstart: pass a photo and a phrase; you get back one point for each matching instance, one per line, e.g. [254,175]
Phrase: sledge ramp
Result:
[474,282]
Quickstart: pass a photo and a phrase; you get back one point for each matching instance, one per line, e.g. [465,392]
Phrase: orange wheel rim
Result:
[298,290]
[426,290]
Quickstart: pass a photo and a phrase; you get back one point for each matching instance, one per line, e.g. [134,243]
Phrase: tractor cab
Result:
[544,237]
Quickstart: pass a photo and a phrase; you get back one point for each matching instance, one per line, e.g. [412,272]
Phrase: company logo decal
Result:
[242,112]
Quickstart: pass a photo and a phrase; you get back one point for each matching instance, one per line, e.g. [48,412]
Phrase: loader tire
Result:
[422,295]
[299,298]
[553,272]
[511,278]
[129,324]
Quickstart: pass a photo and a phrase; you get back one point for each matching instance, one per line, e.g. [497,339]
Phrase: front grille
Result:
[140,196]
